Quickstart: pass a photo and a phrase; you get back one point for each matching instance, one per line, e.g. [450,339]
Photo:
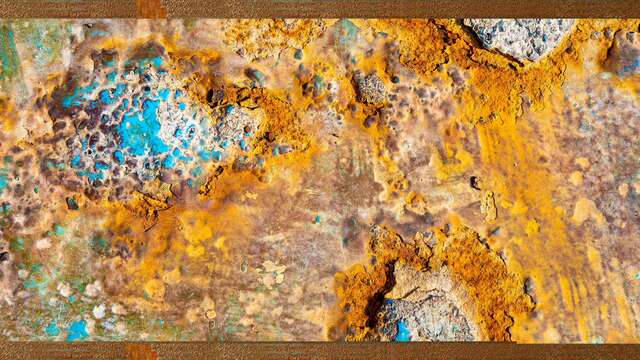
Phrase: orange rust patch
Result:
[496,293]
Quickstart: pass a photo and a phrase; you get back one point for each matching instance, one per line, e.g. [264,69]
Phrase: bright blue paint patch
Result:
[164,94]
[106,98]
[77,331]
[210,155]
[52,329]
[120,89]
[72,298]
[404,334]
[140,135]
[157,61]
[101,166]
[317,219]
[169,162]
[119,156]
[182,106]
[4,182]
[177,94]
[154,61]
[112,76]
[204,155]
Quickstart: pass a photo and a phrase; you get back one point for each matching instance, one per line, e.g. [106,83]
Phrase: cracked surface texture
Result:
[367,180]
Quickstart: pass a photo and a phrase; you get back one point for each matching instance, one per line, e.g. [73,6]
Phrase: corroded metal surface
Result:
[317,179]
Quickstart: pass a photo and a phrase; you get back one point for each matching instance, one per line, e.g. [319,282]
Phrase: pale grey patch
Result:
[524,39]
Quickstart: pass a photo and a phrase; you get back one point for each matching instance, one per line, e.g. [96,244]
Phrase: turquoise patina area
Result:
[77,331]
[52,329]
[404,334]
[139,132]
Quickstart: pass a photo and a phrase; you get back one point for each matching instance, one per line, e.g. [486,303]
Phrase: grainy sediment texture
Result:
[390,180]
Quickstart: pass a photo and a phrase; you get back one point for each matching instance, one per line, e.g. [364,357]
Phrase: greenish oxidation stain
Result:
[317,219]
[638,276]
[77,331]
[346,33]
[100,245]
[45,39]
[234,314]
[8,54]
[57,230]
[53,165]
[17,244]
[258,77]
[37,282]
[318,82]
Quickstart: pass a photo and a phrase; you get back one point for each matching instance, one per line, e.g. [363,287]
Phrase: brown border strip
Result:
[319,8]
[313,350]
[310,9]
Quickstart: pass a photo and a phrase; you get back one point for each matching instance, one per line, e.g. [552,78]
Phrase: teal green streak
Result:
[8,54]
